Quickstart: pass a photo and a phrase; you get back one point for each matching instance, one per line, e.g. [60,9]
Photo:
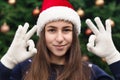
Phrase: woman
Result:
[58,51]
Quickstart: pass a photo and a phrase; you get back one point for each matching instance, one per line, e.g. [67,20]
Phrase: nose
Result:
[59,37]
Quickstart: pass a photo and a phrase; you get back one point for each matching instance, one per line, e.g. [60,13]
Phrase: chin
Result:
[59,54]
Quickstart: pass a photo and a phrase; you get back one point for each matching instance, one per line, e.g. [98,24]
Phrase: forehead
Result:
[66,23]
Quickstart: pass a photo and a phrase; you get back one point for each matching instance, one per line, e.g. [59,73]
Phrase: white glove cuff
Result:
[113,58]
[8,62]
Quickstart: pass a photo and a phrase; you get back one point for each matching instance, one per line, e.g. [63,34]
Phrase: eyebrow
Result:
[67,27]
[51,27]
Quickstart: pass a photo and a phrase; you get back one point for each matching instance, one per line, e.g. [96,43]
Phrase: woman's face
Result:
[58,36]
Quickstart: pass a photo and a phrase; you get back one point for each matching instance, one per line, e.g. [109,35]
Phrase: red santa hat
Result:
[55,10]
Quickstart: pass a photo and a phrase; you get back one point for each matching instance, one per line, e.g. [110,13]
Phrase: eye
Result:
[51,30]
[67,30]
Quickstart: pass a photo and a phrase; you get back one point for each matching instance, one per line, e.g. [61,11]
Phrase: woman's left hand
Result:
[101,43]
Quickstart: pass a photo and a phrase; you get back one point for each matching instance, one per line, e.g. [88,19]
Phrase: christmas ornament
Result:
[103,59]
[112,23]
[99,2]
[36,11]
[11,2]
[4,28]
[85,58]
[80,12]
[88,31]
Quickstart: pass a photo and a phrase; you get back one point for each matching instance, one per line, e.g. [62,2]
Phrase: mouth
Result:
[59,47]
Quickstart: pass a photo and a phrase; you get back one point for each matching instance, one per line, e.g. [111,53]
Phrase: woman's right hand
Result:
[17,51]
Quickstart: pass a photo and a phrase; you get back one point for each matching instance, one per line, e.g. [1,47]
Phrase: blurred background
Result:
[16,12]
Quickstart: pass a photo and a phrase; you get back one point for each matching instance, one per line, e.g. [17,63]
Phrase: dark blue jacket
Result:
[18,72]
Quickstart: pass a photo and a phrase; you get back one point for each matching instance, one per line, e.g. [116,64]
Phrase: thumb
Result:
[90,47]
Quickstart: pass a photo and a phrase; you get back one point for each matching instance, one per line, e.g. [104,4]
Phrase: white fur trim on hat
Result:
[56,13]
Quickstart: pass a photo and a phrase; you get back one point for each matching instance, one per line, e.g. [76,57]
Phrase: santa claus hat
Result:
[56,10]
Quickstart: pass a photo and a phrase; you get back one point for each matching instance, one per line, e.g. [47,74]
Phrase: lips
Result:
[59,47]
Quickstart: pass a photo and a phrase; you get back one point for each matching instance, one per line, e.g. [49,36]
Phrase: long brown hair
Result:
[74,68]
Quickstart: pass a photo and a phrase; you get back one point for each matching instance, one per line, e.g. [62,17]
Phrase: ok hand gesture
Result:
[17,51]
[101,43]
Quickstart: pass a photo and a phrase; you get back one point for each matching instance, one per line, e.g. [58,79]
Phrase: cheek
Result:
[69,38]
[48,38]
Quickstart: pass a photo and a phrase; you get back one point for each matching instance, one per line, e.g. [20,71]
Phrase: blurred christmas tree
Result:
[15,12]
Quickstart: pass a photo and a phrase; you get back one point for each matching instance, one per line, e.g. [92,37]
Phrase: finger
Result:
[18,32]
[91,43]
[108,25]
[92,26]
[31,32]
[25,28]
[33,51]
[92,39]
[31,44]
[99,24]
[90,47]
